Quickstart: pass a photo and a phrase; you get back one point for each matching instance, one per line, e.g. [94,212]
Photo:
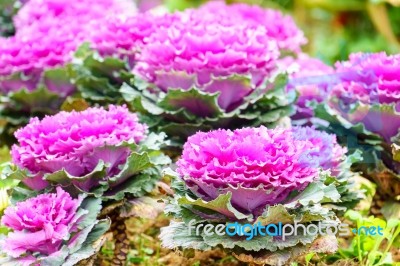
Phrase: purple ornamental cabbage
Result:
[35,65]
[210,54]
[256,175]
[45,41]
[76,143]
[50,226]
[206,70]
[366,104]
[311,78]
[124,36]
[23,61]
[369,92]
[279,27]
[42,14]
[259,165]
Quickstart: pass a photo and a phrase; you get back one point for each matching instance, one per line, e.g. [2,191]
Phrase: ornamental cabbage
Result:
[262,165]
[51,229]
[258,176]
[364,111]
[369,92]
[95,150]
[208,71]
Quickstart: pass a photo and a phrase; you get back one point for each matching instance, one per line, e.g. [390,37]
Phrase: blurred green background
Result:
[334,28]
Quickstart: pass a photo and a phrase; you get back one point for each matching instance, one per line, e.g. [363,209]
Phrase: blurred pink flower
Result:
[42,14]
[22,61]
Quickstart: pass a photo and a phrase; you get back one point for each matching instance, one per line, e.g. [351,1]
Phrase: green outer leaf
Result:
[138,102]
[137,176]
[304,206]
[136,163]
[7,182]
[21,193]
[176,235]
[276,214]
[138,186]
[93,206]
[222,204]
[267,105]
[175,100]
[55,259]
[40,100]
[182,131]
[258,243]
[154,142]
[353,136]
[97,78]
[315,192]
[63,178]
[16,108]
[91,245]
[80,238]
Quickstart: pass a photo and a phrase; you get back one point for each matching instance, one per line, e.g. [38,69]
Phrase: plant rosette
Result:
[107,154]
[257,176]
[52,229]
[363,111]
[207,71]
[33,80]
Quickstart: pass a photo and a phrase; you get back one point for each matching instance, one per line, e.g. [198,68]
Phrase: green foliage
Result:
[16,108]
[8,8]
[371,250]
[377,155]
[136,177]
[181,113]
[98,78]
[308,206]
